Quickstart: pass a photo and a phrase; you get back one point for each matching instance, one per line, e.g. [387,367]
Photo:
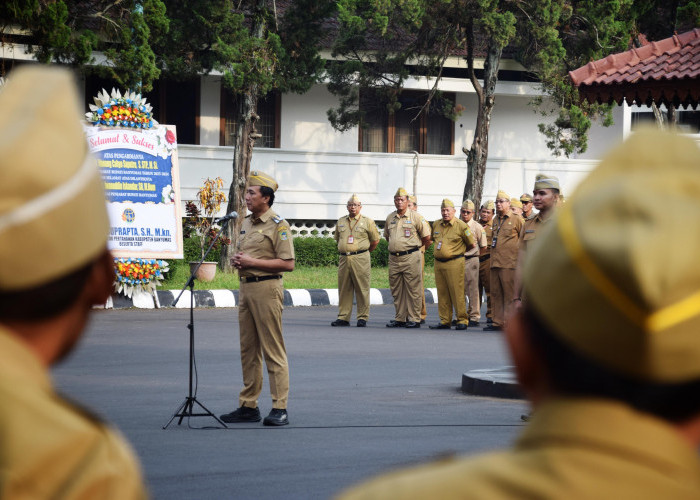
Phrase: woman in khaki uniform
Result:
[265,250]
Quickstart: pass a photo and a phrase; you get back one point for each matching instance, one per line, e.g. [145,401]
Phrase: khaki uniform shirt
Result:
[530,229]
[362,229]
[573,449]
[406,231]
[479,237]
[451,238]
[50,448]
[506,231]
[488,230]
[267,237]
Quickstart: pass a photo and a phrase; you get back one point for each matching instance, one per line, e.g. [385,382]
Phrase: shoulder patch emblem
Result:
[277,219]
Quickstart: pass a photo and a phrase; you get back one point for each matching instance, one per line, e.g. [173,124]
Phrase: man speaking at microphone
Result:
[265,250]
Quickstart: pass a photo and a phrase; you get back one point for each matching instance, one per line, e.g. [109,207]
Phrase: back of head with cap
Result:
[53,218]
[608,250]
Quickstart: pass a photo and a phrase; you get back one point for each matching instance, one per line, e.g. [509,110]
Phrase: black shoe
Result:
[340,322]
[361,323]
[439,326]
[422,322]
[277,416]
[489,321]
[525,417]
[242,414]
[492,328]
[412,324]
[473,323]
[395,324]
[461,326]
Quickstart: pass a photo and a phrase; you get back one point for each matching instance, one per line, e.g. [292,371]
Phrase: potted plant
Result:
[201,223]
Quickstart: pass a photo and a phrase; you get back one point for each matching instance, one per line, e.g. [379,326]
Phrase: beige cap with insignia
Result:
[489,205]
[468,204]
[525,197]
[413,199]
[53,217]
[502,195]
[615,277]
[447,203]
[354,199]
[258,178]
[514,202]
[543,181]
[401,192]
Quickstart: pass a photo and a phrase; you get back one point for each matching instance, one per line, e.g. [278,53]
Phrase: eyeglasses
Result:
[525,202]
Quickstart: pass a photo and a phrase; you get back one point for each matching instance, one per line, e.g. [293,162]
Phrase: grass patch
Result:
[301,277]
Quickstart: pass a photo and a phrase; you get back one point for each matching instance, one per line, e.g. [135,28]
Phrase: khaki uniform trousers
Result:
[502,292]
[449,281]
[485,285]
[405,281]
[423,310]
[471,287]
[260,324]
[353,280]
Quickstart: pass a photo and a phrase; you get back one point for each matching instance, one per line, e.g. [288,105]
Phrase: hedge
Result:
[309,251]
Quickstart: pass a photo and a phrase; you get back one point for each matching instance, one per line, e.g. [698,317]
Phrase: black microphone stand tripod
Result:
[186,409]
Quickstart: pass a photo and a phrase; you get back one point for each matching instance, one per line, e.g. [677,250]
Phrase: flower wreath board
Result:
[137,158]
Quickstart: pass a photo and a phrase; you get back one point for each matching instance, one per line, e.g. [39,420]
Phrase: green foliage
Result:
[316,251]
[69,32]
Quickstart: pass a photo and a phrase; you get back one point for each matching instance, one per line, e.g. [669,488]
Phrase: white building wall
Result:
[318,168]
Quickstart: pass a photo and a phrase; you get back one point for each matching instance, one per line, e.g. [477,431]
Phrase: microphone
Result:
[227,217]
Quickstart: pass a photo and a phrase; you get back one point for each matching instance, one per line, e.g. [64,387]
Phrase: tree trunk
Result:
[658,116]
[478,153]
[245,140]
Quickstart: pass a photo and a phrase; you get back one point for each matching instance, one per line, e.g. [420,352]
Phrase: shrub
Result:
[315,251]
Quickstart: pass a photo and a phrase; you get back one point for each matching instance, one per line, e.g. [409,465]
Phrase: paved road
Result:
[362,401]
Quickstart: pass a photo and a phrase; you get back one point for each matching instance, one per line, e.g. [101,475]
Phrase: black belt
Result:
[472,256]
[484,257]
[354,253]
[406,252]
[449,258]
[254,279]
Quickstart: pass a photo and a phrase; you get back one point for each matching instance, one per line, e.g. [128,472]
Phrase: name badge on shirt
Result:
[493,243]
[407,233]
[351,240]
[439,245]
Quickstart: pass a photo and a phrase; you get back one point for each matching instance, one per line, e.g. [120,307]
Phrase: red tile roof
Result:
[667,71]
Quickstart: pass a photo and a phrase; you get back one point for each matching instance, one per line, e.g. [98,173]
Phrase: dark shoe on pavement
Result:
[277,416]
[461,326]
[525,417]
[422,322]
[473,323]
[361,323]
[242,414]
[395,324]
[492,328]
[439,326]
[454,322]
[340,322]
[489,321]
[412,324]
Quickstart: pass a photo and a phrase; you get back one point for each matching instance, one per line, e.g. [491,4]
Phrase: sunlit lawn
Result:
[301,277]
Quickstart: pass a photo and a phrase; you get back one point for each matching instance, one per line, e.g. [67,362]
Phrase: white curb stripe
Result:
[300,297]
[375,297]
[224,298]
[332,296]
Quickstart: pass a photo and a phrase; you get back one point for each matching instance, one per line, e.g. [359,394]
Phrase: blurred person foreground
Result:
[605,345]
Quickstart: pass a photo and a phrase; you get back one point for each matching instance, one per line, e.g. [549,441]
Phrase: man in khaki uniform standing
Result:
[406,232]
[452,238]
[526,200]
[486,213]
[54,266]
[265,250]
[413,205]
[471,264]
[356,236]
[504,259]
[616,407]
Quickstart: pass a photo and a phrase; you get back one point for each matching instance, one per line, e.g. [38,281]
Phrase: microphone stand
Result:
[186,409]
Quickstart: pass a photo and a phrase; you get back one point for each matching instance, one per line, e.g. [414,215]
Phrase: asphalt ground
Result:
[362,401]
